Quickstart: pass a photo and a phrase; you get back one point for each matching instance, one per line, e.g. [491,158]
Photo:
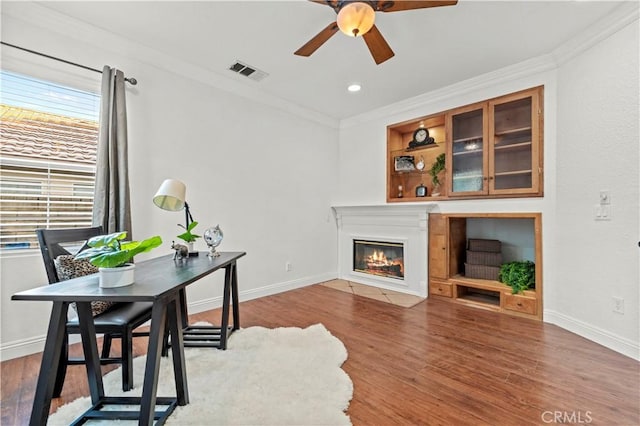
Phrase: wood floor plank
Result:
[436,363]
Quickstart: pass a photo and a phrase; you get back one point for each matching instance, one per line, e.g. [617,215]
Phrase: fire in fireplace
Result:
[379,258]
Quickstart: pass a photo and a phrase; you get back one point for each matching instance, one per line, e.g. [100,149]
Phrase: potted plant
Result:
[111,255]
[189,237]
[434,171]
[519,275]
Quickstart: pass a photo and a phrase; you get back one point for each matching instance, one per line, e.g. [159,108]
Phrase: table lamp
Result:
[171,197]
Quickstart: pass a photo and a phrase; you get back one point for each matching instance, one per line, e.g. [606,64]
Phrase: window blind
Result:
[48,140]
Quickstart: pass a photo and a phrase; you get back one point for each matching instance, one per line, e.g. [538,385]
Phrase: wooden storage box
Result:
[477,244]
[483,272]
[484,258]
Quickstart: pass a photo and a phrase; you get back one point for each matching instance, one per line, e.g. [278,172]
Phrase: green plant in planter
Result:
[519,275]
[109,251]
[436,168]
[187,236]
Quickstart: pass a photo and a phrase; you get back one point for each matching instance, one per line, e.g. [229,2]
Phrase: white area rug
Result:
[282,376]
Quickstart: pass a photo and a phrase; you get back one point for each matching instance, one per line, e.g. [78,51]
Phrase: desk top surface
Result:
[154,278]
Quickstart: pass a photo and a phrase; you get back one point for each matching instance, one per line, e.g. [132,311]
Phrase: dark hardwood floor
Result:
[436,363]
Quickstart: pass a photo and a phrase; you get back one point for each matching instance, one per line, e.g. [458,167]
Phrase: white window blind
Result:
[48,139]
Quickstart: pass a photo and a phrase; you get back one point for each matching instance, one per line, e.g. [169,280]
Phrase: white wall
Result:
[598,142]
[240,159]
[590,143]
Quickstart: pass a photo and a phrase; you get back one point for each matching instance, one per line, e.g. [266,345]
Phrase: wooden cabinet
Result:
[493,149]
[496,146]
[447,255]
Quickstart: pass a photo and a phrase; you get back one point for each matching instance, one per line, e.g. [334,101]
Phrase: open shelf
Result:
[519,234]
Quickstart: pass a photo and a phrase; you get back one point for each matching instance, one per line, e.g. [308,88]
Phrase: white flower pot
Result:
[117,277]
[190,245]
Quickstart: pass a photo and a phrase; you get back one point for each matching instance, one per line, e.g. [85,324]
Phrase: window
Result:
[48,140]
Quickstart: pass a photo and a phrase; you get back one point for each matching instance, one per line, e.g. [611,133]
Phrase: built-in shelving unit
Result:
[493,149]
[448,235]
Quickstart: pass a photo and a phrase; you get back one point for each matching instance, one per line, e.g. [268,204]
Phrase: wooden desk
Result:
[161,281]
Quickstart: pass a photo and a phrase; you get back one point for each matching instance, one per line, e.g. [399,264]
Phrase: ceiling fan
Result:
[357,17]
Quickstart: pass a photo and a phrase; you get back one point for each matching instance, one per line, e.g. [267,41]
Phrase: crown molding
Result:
[43,17]
[510,73]
[623,15]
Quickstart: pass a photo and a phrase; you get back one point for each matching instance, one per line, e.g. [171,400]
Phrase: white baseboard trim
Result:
[22,347]
[35,344]
[603,337]
[255,293]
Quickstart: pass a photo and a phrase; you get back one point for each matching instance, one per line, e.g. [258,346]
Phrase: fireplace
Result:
[384,246]
[382,258]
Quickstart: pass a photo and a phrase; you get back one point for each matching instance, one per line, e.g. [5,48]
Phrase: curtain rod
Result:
[131,80]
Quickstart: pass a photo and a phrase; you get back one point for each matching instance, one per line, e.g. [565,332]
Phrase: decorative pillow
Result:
[67,267]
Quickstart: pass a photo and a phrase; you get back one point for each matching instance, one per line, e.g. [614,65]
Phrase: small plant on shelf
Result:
[434,171]
[188,236]
[519,275]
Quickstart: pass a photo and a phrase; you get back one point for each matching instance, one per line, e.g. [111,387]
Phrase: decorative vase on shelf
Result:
[120,276]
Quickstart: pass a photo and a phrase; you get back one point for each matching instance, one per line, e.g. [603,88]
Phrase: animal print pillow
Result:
[67,267]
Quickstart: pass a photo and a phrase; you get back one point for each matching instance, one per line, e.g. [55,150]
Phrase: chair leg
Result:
[127,360]
[106,345]
[62,367]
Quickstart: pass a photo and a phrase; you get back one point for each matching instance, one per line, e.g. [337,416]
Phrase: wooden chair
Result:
[119,321]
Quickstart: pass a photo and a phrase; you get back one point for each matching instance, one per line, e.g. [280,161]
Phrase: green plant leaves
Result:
[519,275]
[188,236]
[108,252]
[437,167]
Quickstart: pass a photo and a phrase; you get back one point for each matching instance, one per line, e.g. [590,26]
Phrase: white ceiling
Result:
[433,47]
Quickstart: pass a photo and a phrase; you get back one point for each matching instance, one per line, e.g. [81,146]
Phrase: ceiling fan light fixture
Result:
[356,18]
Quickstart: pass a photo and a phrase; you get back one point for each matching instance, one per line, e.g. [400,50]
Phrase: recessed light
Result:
[355,87]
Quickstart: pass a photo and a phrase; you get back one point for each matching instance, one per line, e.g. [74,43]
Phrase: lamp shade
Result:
[171,195]
[356,18]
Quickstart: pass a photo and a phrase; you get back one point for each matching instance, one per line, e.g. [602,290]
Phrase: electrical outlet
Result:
[287,266]
[618,305]
[605,197]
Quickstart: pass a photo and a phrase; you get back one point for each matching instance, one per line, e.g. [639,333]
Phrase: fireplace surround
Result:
[395,228]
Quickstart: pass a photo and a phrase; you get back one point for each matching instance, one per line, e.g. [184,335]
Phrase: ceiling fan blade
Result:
[377,45]
[399,5]
[317,41]
[332,3]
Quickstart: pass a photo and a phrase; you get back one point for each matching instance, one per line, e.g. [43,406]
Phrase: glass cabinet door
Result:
[468,151]
[513,141]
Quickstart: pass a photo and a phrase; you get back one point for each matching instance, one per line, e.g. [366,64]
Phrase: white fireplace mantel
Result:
[397,223]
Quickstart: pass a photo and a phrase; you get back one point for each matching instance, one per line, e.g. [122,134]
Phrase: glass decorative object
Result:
[213,237]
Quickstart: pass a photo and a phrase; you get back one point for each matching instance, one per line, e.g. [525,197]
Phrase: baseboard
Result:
[605,338]
[22,347]
[255,293]
[35,344]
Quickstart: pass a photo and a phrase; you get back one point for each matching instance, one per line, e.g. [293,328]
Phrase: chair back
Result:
[53,243]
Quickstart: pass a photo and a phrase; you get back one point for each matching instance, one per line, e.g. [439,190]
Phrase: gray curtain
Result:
[111,204]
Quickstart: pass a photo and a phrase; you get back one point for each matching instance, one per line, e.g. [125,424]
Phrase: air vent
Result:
[248,71]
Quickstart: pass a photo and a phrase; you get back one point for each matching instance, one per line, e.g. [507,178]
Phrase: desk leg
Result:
[224,322]
[234,297]
[90,349]
[49,364]
[152,368]
[177,350]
